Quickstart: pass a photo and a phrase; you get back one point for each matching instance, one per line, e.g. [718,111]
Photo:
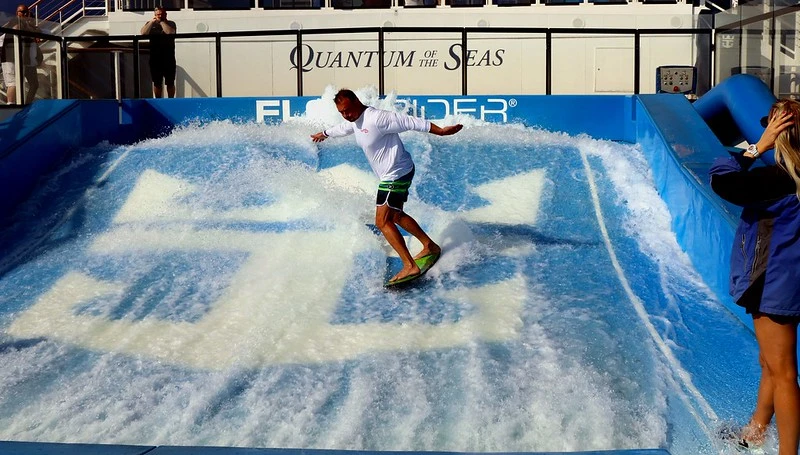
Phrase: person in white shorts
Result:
[31,55]
[377,132]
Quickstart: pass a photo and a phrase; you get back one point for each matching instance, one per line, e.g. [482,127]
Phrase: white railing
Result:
[66,12]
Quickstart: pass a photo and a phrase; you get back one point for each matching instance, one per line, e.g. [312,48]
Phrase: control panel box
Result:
[676,79]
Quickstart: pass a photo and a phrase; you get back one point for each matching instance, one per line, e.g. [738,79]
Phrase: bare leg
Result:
[171,91]
[410,224]
[158,91]
[756,429]
[777,343]
[385,219]
[11,95]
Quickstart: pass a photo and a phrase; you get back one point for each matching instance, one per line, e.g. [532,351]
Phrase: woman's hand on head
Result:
[776,125]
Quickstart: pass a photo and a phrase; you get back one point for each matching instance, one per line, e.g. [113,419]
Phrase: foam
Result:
[265,366]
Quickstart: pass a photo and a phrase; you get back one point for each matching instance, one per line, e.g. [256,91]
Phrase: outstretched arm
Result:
[446,131]
[340,130]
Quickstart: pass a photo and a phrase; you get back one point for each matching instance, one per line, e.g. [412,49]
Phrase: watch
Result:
[753,150]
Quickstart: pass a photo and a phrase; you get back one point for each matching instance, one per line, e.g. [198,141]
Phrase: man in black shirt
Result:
[162,52]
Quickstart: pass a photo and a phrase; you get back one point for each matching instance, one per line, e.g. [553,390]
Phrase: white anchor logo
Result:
[257,322]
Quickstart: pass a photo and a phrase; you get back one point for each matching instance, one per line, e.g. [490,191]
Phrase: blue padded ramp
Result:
[682,149]
[734,108]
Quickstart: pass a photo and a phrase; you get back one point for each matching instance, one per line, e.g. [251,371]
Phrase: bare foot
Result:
[754,434]
[406,272]
[430,249]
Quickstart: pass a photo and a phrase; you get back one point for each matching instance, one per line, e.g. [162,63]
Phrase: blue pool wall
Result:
[677,142]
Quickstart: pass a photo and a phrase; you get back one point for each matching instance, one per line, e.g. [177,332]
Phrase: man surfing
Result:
[377,133]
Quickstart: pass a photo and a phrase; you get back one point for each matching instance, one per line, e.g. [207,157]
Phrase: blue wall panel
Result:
[681,149]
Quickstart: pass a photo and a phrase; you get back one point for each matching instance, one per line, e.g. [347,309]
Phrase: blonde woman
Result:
[765,267]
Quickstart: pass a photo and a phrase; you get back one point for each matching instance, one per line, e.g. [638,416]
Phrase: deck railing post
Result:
[548,63]
[381,69]
[637,38]
[218,43]
[464,54]
[299,63]
[137,77]
[64,64]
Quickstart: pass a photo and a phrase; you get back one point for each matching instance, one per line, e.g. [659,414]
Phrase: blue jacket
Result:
[767,240]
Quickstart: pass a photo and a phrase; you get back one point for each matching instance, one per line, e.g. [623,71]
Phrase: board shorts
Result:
[394,193]
[162,70]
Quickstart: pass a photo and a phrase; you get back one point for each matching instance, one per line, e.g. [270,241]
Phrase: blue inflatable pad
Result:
[740,100]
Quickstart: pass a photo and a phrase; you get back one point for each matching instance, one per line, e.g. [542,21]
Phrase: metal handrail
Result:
[57,15]
[380,32]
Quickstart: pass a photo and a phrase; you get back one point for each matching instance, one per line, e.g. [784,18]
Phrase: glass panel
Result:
[592,64]
[788,56]
[30,68]
[512,2]
[102,70]
[422,63]
[195,69]
[728,53]
[347,60]
[726,19]
[703,55]
[149,5]
[756,48]
[417,3]
[220,4]
[467,2]
[516,59]
[272,73]
[293,4]
[359,4]
[659,51]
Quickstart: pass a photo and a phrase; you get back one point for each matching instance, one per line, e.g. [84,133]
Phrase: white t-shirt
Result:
[377,132]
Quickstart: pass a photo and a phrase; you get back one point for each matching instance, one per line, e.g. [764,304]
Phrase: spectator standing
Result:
[162,52]
[765,276]
[31,56]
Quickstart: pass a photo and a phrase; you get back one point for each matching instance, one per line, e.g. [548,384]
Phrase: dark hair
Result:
[345,94]
[160,8]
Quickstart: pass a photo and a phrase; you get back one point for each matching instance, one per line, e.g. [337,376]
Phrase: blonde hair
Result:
[787,144]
